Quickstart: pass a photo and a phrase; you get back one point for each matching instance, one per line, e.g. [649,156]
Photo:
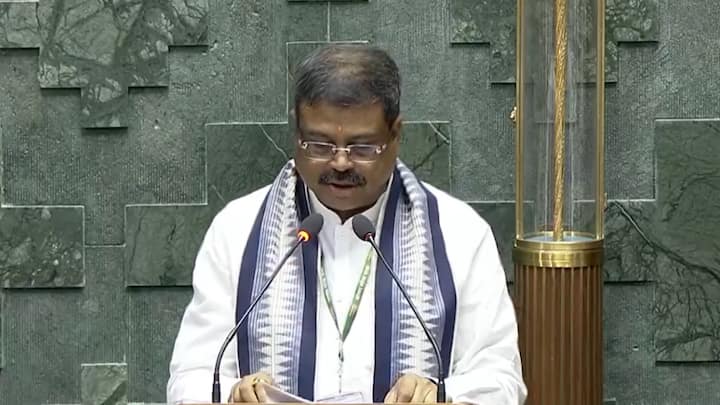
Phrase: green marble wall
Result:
[125,125]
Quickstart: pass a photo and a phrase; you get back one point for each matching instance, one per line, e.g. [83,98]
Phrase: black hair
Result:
[349,75]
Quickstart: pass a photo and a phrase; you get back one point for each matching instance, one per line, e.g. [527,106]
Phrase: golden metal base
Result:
[558,299]
[578,250]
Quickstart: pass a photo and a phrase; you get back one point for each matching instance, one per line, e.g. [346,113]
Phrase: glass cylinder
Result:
[560,120]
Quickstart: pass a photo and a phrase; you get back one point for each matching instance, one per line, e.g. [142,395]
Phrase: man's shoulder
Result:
[456,213]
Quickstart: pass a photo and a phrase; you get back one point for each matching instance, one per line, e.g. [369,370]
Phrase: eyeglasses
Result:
[326,151]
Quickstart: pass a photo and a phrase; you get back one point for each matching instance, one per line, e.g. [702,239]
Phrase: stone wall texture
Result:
[126,125]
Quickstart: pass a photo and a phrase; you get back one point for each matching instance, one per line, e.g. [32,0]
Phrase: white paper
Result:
[277,396]
[347,398]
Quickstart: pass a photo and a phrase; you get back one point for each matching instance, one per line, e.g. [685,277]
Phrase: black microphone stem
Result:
[441,375]
[228,339]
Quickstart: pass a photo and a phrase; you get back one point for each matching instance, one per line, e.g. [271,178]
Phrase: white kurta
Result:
[485,364]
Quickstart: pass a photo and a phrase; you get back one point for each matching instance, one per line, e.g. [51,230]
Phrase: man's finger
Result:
[235,395]
[250,389]
[419,393]
[405,387]
[260,392]
[430,397]
[260,381]
[422,390]
[247,392]
[391,397]
[264,378]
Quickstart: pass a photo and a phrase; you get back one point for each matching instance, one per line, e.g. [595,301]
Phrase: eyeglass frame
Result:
[334,149]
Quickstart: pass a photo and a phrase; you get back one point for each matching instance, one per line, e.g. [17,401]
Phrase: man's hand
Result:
[251,389]
[412,388]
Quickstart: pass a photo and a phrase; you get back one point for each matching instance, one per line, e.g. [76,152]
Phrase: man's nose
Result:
[341,160]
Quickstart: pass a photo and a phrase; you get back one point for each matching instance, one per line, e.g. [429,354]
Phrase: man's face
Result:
[346,183]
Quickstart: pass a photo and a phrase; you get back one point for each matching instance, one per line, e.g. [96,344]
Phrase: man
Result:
[299,339]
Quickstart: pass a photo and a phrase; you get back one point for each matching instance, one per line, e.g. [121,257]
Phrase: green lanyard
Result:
[352,311]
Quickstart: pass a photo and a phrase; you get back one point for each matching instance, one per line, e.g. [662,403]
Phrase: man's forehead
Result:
[330,131]
[337,120]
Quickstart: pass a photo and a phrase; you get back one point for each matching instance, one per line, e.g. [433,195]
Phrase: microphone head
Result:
[310,227]
[363,228]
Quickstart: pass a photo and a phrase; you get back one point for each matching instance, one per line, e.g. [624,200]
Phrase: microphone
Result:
[309,228]
[365,230]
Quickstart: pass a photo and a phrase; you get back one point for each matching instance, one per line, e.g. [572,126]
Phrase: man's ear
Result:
[396,128]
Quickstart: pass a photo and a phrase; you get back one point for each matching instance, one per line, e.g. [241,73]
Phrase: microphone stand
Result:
[216,374]
[441,375]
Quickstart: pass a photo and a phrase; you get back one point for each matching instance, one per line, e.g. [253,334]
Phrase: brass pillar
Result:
[560,197]
[558,297]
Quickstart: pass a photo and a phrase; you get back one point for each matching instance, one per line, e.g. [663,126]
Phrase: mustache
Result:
[352,178]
